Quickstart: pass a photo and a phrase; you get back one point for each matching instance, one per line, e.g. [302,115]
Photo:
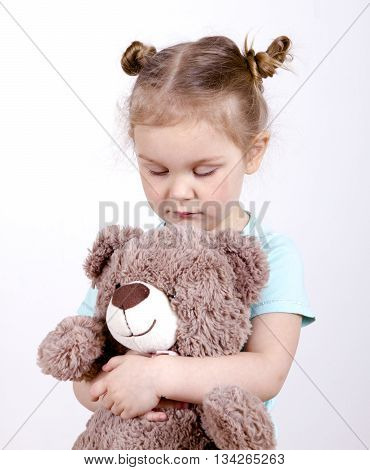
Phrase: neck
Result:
[237,219]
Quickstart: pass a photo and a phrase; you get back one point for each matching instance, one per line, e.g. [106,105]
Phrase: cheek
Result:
[225,193]
[152,190]
[226,188]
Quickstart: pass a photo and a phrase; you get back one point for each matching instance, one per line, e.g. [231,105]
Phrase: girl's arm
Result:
[261,369]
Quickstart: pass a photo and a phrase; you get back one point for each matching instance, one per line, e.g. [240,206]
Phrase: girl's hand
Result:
[127,375]
[154,415]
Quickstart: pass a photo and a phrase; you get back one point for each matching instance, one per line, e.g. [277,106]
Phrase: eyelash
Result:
[201,176]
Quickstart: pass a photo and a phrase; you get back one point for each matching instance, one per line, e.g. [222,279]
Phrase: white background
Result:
[61,80]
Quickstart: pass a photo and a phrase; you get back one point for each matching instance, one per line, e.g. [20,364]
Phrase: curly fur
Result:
[106,431]
[68,351]
[216,276]
[237,419]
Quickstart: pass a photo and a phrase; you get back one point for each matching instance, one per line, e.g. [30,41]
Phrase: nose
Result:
[130,295]
[180,188]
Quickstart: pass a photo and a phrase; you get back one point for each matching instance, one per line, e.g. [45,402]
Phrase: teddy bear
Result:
[176,289]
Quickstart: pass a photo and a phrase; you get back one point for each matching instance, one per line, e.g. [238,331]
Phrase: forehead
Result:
[196,143]
[205,160]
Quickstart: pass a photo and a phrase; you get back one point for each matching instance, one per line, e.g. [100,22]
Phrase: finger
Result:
[126,414]
[155,416]
[112,363]
[116,409]
[97,389]
[107,402]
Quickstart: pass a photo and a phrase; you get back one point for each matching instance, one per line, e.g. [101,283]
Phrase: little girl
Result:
[198,121]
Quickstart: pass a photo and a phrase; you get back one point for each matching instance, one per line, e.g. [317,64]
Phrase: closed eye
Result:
[163,173]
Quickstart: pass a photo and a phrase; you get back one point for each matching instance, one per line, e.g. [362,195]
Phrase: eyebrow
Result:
[211,159]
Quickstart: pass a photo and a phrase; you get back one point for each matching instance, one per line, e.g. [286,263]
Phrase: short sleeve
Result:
[88,305]
[285,289]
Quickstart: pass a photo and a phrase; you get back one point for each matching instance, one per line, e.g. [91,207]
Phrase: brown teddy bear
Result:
[178,289]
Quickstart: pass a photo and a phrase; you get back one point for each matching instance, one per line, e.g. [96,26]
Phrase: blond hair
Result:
[209,79]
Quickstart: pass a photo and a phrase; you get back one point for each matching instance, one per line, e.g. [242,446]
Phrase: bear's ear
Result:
[249,263]
[108,240]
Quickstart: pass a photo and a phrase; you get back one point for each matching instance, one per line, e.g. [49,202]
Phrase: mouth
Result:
[187,214]
[140,334]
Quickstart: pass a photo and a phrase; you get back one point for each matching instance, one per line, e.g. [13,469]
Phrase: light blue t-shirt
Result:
[285,290]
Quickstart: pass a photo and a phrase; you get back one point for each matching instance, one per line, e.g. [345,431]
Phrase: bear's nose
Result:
[130,295]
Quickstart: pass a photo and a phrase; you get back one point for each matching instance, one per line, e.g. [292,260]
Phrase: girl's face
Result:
[191,168]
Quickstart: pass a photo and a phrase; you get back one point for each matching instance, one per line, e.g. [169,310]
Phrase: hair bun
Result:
[135,57]
[264,64]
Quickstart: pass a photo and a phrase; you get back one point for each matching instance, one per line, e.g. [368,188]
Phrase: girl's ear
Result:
[108,240]
[249,263]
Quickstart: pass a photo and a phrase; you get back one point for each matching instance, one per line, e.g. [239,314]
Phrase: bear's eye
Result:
[171,296]
[118,285]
